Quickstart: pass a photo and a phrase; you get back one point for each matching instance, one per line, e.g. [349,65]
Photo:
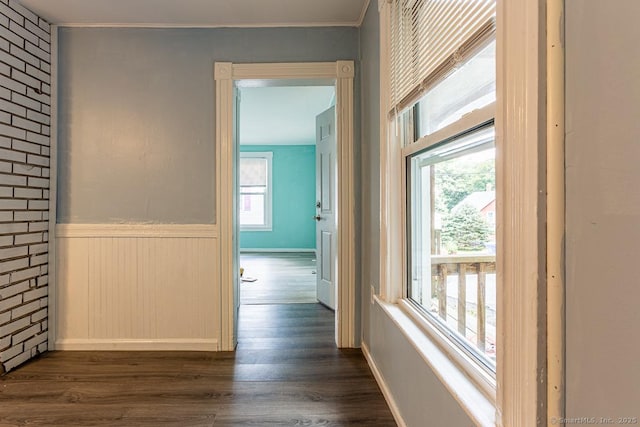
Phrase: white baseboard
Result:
[395,411]
[274,250]
[195,344]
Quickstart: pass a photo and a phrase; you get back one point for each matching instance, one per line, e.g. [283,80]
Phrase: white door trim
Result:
[342,72]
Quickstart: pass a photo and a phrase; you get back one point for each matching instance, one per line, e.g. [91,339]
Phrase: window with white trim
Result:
[442,105]
[255,191]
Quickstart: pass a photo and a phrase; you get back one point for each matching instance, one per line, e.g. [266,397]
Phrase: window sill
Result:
[467,392]
[256,229]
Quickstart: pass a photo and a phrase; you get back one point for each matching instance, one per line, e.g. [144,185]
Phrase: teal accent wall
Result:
[294,194]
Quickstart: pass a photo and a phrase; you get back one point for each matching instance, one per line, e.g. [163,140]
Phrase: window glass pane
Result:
[252,209]
[470,87]
[452,271]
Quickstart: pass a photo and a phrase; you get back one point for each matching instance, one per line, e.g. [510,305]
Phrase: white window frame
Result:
[521,384]
[268,197]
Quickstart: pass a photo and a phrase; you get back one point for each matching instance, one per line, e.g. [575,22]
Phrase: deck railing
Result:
[462,265]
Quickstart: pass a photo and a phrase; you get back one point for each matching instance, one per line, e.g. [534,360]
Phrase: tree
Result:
[458,178]
[465,230]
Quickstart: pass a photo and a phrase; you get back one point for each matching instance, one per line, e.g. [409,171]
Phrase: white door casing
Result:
[342,74]
[326,200]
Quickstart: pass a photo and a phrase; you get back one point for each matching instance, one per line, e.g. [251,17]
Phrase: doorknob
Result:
[317,217]
[318,205]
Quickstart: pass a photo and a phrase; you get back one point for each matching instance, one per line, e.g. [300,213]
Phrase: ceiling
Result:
[200,13]
[282,115]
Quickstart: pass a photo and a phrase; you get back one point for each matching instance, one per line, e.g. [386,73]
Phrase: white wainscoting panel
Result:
[137,287]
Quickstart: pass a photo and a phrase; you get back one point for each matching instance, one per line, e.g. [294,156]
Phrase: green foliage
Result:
[465,230]
[457,179]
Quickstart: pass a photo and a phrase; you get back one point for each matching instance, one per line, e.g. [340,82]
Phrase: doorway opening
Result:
[228,77]
[283,157]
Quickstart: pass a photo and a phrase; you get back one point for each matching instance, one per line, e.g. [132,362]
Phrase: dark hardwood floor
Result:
[282,278]
[285,372]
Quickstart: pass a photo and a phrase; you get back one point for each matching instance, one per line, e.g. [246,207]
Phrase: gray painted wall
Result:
[419,393]
[603,208]
[136,114]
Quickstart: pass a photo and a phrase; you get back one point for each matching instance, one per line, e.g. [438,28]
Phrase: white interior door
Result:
[326,209]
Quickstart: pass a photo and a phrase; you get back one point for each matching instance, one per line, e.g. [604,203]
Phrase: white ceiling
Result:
[200,13]
[282,115]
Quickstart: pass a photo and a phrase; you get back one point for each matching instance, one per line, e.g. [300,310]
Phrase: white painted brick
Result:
[39,315]
[26,146]
[12,155]
[37,160]
[33,342]
[43,280]
[12,60]
[15,109]
[44,270]
[11,352]
[4,280]
[26,124]
[25,239]
[4,44]
[25,101]
[12,132]
[45,322]
[45,174]
[45,215]
[26,334]
[40,97]
[44,346]
[13,204]
[5,342]
[38,182]
[14,85]
[24,55]
[35,29]
[38,205]
[38,226]
[39,248]
[38,74]
[46,88]
[15,5]
[45,193]
[45,150]
[46,109]
[5,305]
[5,317]
[45,46]
[5,142]
[4,20]
[23,32]
[39,259]
[6,191]
[39,117]
[6,240]
[45,67]
[11,36]
[16,361]
[29,273]
[27,170]
[5,117]
[45,235]
[12,290]
[37,293]
[20,311]
[12,179]
[27,216]
[44,25]
[28,193]
[4,93]
[38,139]
[5,69]
[6,167]
[35,50]
[6,216]
[6,10]
[12,253]
[13,265]
[13,227]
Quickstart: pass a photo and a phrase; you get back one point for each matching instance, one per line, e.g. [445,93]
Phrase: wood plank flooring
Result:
[283,278]
[285,372]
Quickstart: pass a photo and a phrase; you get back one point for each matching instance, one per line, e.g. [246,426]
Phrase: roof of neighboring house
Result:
[478,199]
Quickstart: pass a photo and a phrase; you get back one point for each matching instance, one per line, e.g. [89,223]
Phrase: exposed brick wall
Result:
[25,105]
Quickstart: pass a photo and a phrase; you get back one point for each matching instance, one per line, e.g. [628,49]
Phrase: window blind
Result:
[429,38]
[253,172]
